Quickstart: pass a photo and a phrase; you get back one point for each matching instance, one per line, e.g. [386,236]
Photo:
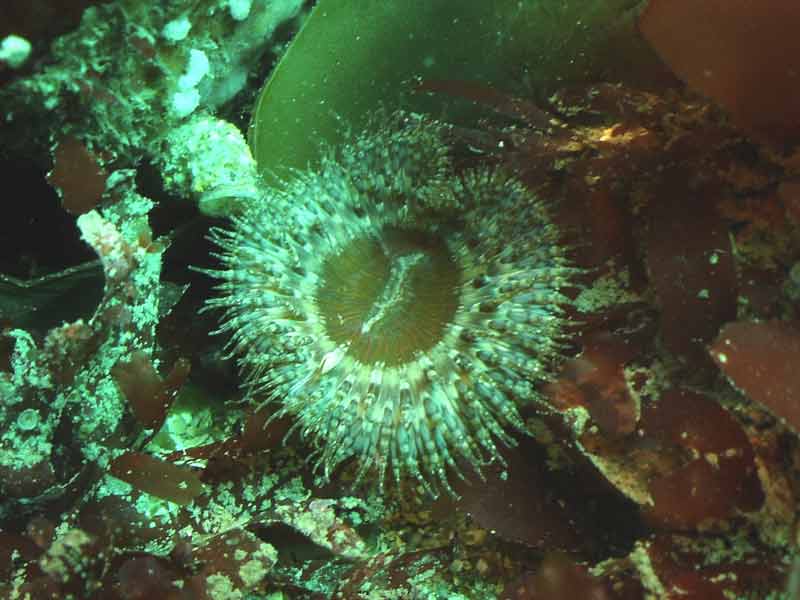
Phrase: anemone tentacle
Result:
[399,310]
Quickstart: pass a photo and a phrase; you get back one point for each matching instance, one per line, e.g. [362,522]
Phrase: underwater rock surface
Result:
[496,249]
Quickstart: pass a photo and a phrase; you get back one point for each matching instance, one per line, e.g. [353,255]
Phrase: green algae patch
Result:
[351,57]
[355,56]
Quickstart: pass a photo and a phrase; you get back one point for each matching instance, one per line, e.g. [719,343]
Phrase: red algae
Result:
[77,176]
[691,268]
[149,396]
[557,578]
[761,360]
[144,578]
[596,380]
[518,507]
[710,45]
[689,570]
[232,554]
[157,477]
[717,477]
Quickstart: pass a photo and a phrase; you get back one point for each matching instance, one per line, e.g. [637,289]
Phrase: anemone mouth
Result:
[399,311]
[389,296]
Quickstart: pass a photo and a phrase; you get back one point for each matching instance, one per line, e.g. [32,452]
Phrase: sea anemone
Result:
[401,310]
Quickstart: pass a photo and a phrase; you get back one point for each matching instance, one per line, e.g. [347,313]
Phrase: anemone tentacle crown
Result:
[401,311]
